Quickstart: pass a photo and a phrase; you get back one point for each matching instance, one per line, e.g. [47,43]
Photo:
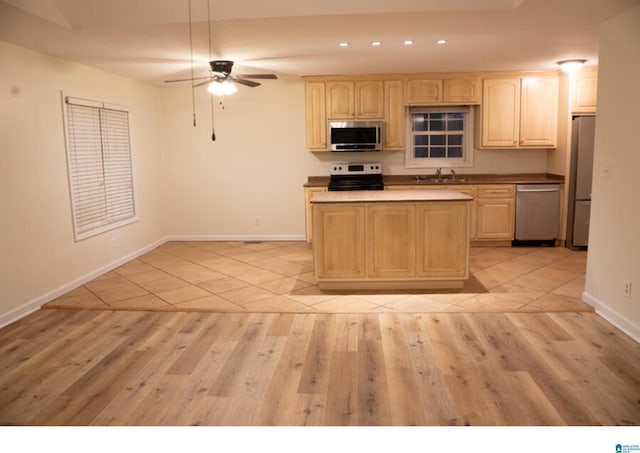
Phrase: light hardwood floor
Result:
[99,367]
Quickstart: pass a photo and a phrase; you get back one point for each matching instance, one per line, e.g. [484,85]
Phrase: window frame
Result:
[411,161]
[111,154]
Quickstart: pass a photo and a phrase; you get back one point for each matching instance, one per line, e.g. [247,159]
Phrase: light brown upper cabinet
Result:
[394,131]
[519,112]
[461,91]
[443,91]
[360,99]
[585,91]
[315,116]
[424,92]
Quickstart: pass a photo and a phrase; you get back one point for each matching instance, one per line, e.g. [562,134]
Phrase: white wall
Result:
[38,253]
[614,240]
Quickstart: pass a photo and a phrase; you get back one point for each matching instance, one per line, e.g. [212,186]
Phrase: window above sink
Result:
[439,137]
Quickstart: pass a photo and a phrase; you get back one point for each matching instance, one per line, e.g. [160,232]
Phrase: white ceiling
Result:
[149,39]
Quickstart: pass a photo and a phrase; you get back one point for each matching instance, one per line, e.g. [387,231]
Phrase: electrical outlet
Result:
[627,288]
[256,222]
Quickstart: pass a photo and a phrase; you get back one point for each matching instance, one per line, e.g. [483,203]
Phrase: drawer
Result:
[497,191]
[467,189]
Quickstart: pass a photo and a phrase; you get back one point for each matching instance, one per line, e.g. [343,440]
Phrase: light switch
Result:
[606,171]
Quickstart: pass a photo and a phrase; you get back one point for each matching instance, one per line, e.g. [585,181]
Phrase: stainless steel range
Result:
[356,176]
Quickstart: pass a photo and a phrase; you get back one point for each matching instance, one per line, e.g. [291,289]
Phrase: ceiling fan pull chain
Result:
[213,129]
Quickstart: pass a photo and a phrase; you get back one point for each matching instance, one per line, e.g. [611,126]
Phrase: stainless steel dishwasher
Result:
[537,212]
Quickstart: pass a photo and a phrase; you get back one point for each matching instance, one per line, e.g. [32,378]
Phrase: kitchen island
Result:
[378,239]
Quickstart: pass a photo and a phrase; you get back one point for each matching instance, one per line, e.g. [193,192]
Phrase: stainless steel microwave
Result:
[355,136]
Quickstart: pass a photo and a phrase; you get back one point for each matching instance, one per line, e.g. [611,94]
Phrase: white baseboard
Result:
[35,304]
[238,238]
[611,315]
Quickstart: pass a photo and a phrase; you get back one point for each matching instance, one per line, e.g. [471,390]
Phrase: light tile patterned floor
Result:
[277,277]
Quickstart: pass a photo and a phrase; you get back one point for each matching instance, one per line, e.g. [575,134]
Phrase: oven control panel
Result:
[346,168]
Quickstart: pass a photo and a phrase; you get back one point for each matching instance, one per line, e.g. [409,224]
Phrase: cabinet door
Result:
[369,99]
[585,91]
[465,91]
[424,92]
[500,113]
[340,100]
[391,244]
[339,241]
[473,208]
[316,120]
[394,130]
[308,213]
[539,112]
[496,218]
[442,241]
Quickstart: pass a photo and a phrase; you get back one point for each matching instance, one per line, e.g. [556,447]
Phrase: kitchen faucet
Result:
[439,173]
[453,174]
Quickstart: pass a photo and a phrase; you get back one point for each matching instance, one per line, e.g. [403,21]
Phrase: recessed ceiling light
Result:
[376,43]
[441,41]
[408,42]
[344,44]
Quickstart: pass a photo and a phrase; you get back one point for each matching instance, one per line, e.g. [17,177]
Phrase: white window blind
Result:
[100,169]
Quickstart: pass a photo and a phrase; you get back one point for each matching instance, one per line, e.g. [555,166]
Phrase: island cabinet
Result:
[390,240]
[491,213]
[519,112]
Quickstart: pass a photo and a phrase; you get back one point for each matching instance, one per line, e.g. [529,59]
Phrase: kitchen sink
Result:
[440,180]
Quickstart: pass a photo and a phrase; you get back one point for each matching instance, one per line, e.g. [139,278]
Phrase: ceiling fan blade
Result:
[257,76]
[249,83]
[187,80]
[206,82]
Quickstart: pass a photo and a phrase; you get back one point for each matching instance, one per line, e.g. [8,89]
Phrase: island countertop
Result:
[368,196]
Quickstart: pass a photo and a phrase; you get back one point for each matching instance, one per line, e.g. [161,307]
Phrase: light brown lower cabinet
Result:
[496,212]
[391,245]
[339,242]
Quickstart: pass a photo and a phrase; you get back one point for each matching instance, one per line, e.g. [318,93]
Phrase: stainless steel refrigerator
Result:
[581,175]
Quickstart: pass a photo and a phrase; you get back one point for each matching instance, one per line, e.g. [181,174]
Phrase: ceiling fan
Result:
[220,78]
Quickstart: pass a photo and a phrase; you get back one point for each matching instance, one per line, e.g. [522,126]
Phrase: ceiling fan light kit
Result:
[223,88]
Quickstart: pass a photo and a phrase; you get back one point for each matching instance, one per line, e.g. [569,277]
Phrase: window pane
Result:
[454,140]
[438,151]
[436,125]
[437,140]
[419,122]
[421,151]
[455,125]
[455,151]
[419,140]
[455,115]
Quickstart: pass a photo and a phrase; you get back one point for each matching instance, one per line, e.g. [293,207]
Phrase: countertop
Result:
[426,180]
[364,196]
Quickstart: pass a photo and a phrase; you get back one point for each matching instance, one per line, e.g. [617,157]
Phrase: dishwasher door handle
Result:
[537,190]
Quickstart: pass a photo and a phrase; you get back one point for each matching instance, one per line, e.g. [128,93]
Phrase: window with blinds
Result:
[100,168]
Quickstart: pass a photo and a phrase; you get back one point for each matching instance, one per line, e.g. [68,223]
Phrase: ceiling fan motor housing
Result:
[223,66]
